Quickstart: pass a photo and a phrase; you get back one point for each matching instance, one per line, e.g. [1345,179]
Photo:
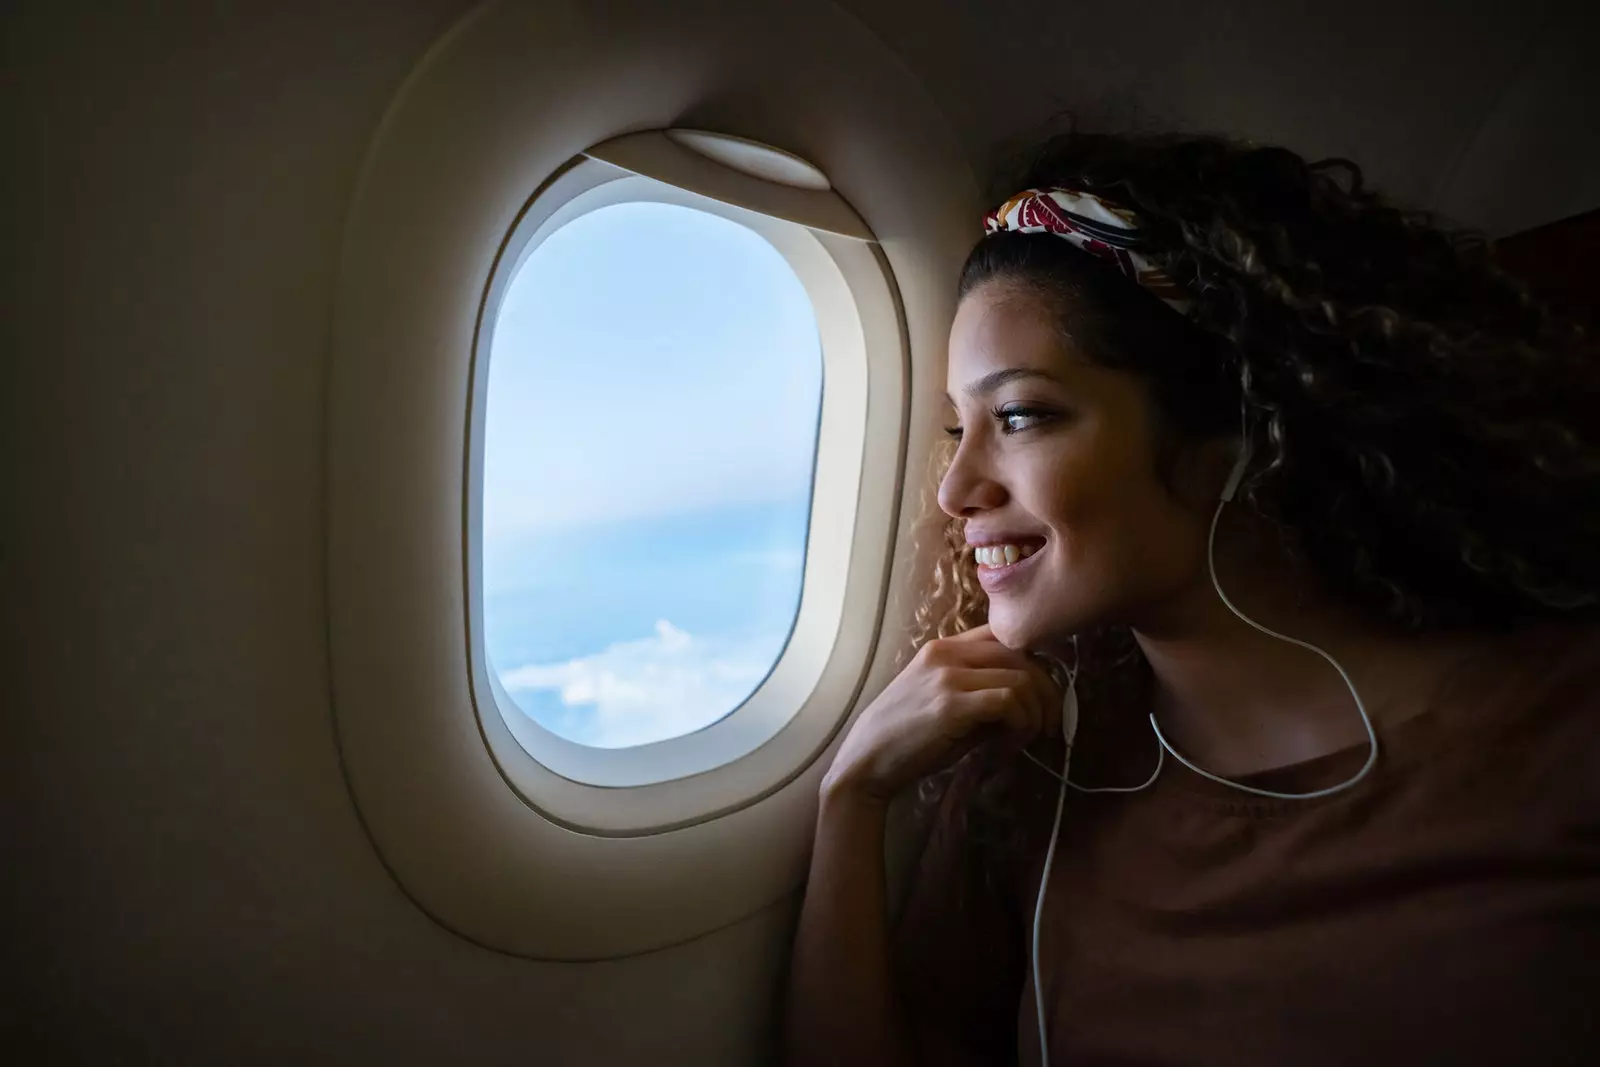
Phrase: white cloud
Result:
[653,688]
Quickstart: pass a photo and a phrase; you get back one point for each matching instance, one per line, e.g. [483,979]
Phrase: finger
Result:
[1051,695]
[982,638]
[972,679]
[1052,718]
[977,633]
[1033,688]
[1001,707]
[977,652]
[1035,694]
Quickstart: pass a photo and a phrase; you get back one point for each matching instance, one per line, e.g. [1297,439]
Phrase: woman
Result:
[1399,868]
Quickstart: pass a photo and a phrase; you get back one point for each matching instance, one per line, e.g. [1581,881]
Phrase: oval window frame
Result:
[798,705]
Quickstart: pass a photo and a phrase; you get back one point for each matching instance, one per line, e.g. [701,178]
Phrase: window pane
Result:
[655,382]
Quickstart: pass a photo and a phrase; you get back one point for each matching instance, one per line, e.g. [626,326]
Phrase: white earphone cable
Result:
[1146,784]
[1069,730]
[1361,707]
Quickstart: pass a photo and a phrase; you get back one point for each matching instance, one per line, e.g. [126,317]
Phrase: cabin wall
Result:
[188,879]
[1486,112]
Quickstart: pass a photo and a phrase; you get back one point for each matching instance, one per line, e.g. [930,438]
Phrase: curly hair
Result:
[1424,430]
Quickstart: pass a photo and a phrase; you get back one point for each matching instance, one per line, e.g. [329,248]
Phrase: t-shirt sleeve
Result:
[958,948]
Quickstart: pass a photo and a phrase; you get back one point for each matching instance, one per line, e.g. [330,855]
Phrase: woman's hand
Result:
[956,693]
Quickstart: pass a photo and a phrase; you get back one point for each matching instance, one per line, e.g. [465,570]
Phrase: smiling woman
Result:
[1312,491]
[629,601]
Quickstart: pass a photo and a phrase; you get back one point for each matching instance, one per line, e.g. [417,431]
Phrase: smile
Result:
[1003,565]
[1002,555]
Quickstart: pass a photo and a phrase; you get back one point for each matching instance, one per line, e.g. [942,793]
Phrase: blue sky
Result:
[654,384]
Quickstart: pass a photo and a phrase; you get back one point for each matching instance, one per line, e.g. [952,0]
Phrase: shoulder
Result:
[1543,683]
[1524,715]
[1558,712]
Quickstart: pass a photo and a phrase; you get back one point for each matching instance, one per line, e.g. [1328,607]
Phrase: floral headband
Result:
[1101,229]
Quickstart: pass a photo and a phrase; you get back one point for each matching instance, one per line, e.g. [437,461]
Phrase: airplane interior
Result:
[469,464]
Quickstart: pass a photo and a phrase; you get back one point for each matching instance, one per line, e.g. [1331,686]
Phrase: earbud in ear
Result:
[1236,475]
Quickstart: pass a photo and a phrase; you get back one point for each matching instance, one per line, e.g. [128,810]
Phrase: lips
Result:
[1004,558]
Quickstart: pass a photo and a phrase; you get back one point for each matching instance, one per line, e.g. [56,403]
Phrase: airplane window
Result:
[654,390]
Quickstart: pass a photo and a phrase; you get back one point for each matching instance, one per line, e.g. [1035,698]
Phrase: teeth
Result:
[1000,555]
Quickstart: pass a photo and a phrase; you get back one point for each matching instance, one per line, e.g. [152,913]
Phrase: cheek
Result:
[1074,492]
[1122,534]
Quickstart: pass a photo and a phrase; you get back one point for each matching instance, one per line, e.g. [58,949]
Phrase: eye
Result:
[1014,418]
[953,432]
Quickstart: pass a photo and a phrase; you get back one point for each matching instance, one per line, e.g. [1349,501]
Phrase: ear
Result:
[1241,463]
[1209,469]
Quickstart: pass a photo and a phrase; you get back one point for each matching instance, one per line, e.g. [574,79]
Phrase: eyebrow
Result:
[990,382]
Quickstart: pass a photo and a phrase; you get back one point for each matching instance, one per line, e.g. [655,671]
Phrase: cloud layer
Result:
[658,687]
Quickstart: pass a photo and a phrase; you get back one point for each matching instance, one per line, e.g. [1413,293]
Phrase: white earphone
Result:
[1069,730]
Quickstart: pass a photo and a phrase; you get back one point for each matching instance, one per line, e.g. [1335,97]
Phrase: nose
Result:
[968,486]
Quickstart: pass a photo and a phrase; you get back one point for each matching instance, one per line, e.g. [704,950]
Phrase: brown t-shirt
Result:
[1446,910]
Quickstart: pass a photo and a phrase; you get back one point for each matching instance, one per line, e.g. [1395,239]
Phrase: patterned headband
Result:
[1103,230]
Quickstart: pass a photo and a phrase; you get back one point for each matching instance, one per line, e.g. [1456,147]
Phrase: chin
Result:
[1024,630]
[1013,627]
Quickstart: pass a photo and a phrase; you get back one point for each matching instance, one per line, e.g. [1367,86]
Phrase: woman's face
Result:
[1056,476]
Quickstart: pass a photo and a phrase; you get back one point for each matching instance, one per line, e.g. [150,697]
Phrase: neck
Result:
[1237,701]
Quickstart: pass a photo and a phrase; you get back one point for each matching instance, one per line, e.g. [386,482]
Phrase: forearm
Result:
[842,1009]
